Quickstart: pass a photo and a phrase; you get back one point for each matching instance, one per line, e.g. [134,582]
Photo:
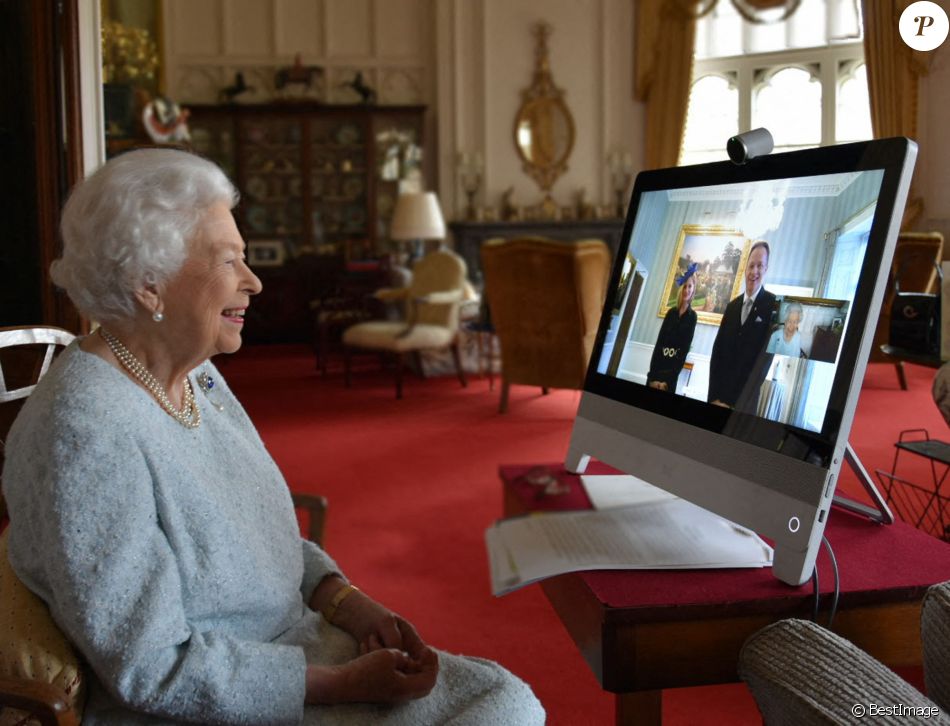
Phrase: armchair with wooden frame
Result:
[41,676]
[545,298]
[431,305]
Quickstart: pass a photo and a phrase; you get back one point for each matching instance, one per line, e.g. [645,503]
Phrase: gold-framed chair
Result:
[41,676]
[431,306]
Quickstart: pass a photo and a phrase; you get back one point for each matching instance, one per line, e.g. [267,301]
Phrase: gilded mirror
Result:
[544,127]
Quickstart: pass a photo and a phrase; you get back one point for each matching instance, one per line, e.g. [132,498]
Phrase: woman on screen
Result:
[787,340]
[676,336]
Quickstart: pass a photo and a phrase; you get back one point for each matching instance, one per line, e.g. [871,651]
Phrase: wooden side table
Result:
[647,630]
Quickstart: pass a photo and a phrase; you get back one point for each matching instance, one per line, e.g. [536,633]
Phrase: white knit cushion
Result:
[385,335]
[32,647]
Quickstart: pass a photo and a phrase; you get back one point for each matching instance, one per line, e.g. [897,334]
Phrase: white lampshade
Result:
[417,216]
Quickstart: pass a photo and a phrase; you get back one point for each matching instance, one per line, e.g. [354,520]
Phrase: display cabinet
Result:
[319,178]
[318,183]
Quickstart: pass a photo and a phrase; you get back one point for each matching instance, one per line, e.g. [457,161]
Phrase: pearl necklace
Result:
[189,415]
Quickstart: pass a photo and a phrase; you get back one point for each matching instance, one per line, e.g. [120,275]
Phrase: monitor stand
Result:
[879,513]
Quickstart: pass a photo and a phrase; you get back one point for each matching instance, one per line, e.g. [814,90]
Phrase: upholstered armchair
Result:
[431,306]
[802,674]
[545,299]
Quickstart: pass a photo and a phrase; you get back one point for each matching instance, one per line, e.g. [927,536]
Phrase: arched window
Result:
[853,117]
[804,79]
[787,102]
[713,116]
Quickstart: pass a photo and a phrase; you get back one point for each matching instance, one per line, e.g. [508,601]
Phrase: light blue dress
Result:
[779,346]
[171,558]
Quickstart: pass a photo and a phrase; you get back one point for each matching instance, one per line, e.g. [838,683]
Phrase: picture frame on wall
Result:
[720,254]
[266,253]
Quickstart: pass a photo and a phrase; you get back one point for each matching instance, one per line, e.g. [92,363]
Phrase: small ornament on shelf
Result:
[509,212]
[620,164]
[469,168]
[299,81]
[230,94]
[366,93]
[583,209]
[165,121]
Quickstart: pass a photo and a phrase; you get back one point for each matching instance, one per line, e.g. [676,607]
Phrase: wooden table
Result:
[644,631]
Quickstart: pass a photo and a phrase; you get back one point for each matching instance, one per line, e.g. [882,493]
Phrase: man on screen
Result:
[738,365]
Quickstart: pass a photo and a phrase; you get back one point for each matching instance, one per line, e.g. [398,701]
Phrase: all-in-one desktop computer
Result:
[754,423]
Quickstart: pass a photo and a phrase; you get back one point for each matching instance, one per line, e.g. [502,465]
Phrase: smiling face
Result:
[204,303]
[687,291]
[755,270]
[792,321]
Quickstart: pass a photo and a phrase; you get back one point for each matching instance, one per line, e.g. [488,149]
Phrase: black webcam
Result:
[757,142]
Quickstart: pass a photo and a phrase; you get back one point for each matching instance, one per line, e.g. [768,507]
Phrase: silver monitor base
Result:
[880,512]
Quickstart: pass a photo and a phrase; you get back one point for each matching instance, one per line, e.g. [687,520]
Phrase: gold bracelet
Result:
[338,597]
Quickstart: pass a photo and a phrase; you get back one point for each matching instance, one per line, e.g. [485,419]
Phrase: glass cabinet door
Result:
[212,136]
[322,180]
[338,184]
[272,177]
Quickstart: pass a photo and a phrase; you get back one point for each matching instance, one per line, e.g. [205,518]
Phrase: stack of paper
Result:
[662,532]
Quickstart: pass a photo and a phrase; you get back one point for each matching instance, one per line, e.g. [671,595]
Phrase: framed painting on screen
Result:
[720,255]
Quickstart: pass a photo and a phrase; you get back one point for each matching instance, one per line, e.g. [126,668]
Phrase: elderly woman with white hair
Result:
[787,340]
[146,512]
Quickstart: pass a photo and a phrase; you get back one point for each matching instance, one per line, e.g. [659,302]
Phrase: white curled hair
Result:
[129,224]
[795,307]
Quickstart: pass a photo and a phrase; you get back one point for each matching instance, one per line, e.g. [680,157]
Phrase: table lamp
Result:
[417,217]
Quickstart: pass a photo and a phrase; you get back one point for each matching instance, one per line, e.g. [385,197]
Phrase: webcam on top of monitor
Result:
[743,147]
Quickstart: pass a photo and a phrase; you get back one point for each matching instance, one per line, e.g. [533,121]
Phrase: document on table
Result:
[663,534]
[621,490]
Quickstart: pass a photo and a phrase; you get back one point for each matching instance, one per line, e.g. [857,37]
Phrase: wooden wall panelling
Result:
[248,28]
[192,29]
[388,41]
[299,28]
[402,28]
[350,28]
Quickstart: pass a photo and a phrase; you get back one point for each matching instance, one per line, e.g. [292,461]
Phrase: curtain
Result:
[663,66]
[771,400]
[893,70]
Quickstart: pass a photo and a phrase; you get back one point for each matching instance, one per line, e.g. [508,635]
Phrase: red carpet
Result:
[412,485]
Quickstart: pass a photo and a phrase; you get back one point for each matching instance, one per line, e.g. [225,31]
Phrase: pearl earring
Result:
[157,316]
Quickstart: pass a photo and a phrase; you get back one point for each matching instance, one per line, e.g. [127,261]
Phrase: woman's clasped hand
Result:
[394,663]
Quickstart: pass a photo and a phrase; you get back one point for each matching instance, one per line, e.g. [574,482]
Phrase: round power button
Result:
[794,524]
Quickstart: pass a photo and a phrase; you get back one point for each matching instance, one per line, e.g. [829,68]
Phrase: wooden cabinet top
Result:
[303,107]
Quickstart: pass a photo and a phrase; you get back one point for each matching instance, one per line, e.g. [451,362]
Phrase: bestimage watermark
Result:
[877,710]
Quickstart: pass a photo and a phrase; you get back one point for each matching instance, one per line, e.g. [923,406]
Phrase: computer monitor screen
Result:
[737,327]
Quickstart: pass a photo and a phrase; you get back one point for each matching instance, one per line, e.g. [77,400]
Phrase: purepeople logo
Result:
[924,25]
